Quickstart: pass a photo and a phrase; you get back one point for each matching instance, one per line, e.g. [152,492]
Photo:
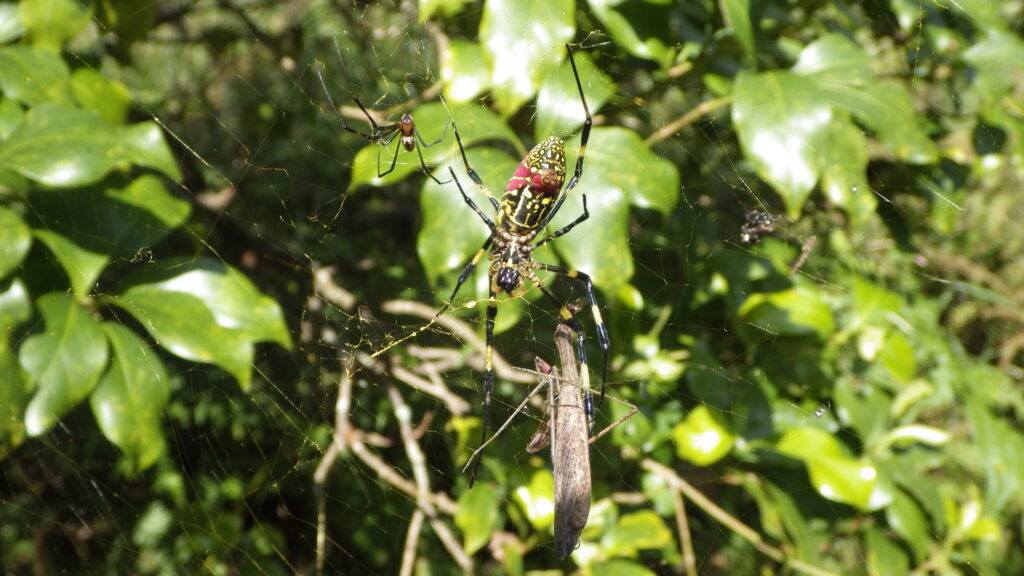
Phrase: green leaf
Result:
[427,8]
[799,311]
[737,17]
[129,401]
[619,567]
[522,43]
[441,246]
[478,516]
[51,23]
[643,530]
[619,170]
[82,265]
[997,59]
[843,166]
[703,438]
[33,76]
[11,114]
[782,121]
[898,356]
[834,474]
[183,325]
[131,20]
[537,499]
[11,26]
[907,519]
[559,109]
[109,99]
[65,147]
[230,296]
[65,361]
[636,33]
[15,384]
[463,71]
[885,557]
[15,240]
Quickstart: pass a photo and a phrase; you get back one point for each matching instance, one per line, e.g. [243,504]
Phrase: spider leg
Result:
[602,330]
[587,124]
[492,313]
[443,133]
[423,164]
[469,170]
[487,220]
[565,229]
[394,159]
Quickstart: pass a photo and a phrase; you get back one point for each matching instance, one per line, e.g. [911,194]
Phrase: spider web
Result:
[266,165]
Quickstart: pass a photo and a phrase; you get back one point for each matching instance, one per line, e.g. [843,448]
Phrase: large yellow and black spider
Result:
[533,196]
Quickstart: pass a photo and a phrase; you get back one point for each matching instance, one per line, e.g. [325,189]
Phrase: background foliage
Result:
[174,180]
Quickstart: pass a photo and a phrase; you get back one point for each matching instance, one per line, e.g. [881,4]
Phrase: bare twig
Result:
[685,540]
[730,521]
[324,285]
[706,107]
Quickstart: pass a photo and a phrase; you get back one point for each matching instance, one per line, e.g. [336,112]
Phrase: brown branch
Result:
[685,120]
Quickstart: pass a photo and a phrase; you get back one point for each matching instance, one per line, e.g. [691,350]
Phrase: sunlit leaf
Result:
[64,147]
[619,567]
[636,531]
[781,121]
[65,361]
[477,516]
[885,557]
[82,265]
[129,400]
[522,43]
[834,473]
[559,108]
[50,23]
[537,499]
[11,114]
[15,310]
[799,311]
[34,76]
[107,98]
[15,240]
[230,296]
[183,325]
[737,16]
[703,438]
[638,40]
[463,71]
[844,161]
[11,26]
[906,517]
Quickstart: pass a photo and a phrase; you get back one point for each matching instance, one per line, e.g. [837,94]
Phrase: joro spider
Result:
[409,137]
[532,198]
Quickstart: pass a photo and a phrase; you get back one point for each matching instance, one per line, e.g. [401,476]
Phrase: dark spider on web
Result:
[758,225]
[532,197]
[408,136]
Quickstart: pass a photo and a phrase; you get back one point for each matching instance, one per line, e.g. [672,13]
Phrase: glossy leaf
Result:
[183,325]
[619,171]
[11,114]
[906,518]
[129,400]
[110,100]
[65,361]
[235,303]
[50,23]
[522,41]
[799,311]
[885,557]
[463,71]
[82,265]
[782,121]
[427,8]
[477,516]
[537,500]
[834,474]
[619,567]
[703,438]
[559,108]
[33,76]
[737,16]
[16,387]
[15,240]
[64,147]
[844,162]
[11,26]
[624,32]
[636,531]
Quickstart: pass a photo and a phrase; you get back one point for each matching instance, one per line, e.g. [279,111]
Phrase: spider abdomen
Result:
[534,187]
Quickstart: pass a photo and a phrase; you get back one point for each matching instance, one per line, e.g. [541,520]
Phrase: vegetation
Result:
[205,286]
